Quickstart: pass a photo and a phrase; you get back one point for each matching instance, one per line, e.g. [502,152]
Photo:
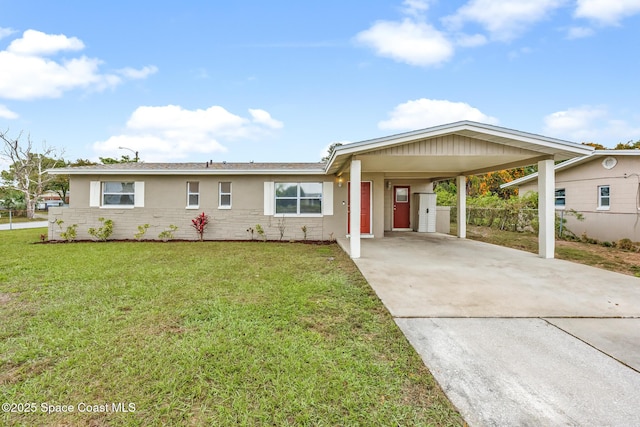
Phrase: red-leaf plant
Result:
[200,224]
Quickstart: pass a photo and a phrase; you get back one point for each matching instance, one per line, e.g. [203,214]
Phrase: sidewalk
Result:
[23,225]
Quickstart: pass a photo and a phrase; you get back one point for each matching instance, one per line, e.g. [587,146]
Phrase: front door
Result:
[401,209]
[365,208]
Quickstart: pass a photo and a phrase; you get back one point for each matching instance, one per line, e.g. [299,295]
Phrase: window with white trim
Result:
[118,193]
[224,195]
[561,197]
[295,198]
[604,197]
[193,194]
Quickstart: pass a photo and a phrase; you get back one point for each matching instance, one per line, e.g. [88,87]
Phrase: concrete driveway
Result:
[513,339]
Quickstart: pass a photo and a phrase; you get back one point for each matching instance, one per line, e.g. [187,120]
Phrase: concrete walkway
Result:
[513,339]
[21,225]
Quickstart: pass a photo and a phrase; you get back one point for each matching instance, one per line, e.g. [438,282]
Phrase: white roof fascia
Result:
[72,171]
[573,162]
[399,139]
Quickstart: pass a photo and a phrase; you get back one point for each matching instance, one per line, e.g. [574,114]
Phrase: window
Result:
[224,199]
[604,197]
[193,194]
[561,198]
[298,198]
[118,193]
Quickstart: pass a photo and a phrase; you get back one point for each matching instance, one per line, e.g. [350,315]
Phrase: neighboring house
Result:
[365,189]
[604,187]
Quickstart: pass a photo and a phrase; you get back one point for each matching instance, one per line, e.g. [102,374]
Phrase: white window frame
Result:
[96,195]
[103,193]
[221,193]
[563,198]
[601,198]
[298,198]
[190,193]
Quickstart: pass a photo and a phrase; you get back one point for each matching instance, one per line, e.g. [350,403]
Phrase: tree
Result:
[629,145]
[60,183]
[28,169]
[123,159]
[330,151]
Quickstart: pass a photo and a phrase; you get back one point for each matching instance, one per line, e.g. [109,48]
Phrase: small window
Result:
[224,199]
[561,198]
[118,193]
[604,197]
[298,198]
[193,194]
[402,195]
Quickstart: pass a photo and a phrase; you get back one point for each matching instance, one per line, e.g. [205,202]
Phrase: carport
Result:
[455,150]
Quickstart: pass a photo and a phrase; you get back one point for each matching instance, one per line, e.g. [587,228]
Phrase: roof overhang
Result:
[572,163]
[104,171]
[525,149]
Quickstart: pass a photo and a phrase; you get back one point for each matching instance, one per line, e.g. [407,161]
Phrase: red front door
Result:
[401,207]
[365,208]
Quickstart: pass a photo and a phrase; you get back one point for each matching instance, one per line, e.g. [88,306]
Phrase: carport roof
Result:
[520,149]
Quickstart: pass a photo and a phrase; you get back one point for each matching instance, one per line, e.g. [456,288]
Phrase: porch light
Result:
[340,181]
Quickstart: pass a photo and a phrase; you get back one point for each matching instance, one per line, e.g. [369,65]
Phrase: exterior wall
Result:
[165,201]
[416,186]
[449,145]
[622,219]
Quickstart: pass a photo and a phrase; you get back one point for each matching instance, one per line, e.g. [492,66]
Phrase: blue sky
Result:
[281,80]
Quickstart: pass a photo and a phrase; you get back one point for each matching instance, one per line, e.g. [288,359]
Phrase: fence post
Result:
[10,221]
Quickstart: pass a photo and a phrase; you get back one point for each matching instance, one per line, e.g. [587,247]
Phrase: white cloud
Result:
[607,12]
[579,32]
[423,113]
[5,113]
[38,43]
[590,124]
[465,40]
[264,118]
[416,8]
[415,43]
[172,133]
[33,74]
[503,19]
[5,32]
[143,73]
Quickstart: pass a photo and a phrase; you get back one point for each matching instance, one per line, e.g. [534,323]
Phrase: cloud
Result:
[264,118]
[133,74]
[579,32]
[423,113]
[33,74]
[503,19]
[465,40]
[172,133]
[590,124]
[5,113]
[415,8]
[606,12]
[5,32]
[411,42]
[38,43]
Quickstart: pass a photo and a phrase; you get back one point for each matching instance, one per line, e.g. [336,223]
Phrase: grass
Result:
[608,258]
[212,333]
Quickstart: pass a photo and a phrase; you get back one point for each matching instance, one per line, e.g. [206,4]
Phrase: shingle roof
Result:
[198,168]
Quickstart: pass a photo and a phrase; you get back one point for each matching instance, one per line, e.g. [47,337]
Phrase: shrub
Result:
[102,234]
[261,232]
[142,229]
[625,244]
[70,233]
[200,224]
[304,231]
[167,235]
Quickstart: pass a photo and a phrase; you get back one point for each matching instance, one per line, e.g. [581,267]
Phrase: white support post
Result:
[546,209]
[461,184]
[355,176]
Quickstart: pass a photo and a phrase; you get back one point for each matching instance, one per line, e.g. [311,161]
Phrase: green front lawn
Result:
[211,333]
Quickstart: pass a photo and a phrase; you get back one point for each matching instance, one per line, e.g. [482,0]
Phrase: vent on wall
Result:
[609,162]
